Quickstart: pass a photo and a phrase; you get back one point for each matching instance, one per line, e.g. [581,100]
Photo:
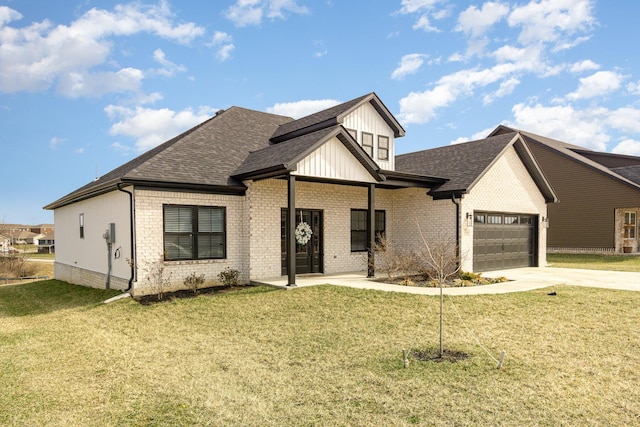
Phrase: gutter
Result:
[132,263]
[457,203]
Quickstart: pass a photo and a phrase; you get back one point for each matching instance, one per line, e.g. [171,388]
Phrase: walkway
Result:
[521,279]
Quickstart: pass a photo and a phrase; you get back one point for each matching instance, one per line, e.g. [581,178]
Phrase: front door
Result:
[308,255]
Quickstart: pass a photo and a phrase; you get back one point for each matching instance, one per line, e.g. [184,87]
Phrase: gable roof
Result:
[334,116]
[282,157]
[204,157]
[575,153]
[464,164]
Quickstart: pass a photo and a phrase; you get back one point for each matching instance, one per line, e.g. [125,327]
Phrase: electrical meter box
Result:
[110,233]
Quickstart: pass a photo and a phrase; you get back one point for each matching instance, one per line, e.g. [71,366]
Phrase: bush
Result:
[194,282]
[229,277]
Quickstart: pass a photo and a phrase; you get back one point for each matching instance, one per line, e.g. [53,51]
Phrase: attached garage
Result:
[504,240]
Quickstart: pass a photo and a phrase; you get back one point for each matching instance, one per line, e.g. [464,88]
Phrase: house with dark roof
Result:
[599,195]
[271,196]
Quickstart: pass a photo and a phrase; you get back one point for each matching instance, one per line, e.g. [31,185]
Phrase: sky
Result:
[87,85]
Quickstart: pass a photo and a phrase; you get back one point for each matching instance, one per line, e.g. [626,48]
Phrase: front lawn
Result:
[317,356]
[595,262]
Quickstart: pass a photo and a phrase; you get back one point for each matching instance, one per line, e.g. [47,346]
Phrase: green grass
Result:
[595,262]
[317,356]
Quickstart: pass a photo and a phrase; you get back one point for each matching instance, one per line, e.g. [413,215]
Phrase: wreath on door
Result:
[303,233]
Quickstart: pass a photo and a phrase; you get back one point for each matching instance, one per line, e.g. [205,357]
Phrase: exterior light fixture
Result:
[545,222]
[469,219]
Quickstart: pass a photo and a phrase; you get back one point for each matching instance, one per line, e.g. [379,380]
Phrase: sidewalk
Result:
[520,279]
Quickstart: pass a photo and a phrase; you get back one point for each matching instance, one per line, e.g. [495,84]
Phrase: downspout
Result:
[132,262]
[457,203]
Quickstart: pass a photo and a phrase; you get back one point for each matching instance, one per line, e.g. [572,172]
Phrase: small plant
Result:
[193,282]
[157,278]
[229,277]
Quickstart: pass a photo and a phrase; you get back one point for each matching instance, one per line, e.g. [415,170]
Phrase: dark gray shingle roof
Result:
[206,155]
[462,163]
[632,173]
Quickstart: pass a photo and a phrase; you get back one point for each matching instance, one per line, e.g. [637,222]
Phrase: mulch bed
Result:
[187,293]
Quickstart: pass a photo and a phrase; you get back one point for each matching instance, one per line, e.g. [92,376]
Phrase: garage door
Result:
[504,240]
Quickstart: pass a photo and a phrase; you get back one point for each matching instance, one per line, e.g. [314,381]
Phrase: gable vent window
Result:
[367,143]
[629,225]
[194,232]
[383,147]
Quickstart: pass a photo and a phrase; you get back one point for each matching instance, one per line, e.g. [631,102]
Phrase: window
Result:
[479,219]
[81,219]
[383,147]
[494,219]
[367,143]
[194,232]
[629,225]
[511,219]
[353,133]
[359,228]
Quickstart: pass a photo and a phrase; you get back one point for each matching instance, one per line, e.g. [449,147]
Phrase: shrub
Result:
[193,282]
[229,277]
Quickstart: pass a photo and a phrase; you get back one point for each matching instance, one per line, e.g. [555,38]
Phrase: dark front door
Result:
[308,255]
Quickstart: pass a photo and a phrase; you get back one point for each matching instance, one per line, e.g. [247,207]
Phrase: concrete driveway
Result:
[520,279]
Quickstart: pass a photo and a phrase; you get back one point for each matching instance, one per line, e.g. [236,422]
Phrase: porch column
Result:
[291,230]
[371,231]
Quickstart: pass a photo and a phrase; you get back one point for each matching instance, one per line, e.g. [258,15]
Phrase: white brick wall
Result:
[403,208]
[506,187]
[149,236]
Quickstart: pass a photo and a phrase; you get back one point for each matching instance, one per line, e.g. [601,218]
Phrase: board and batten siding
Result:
[333,160]
[90,253]
[367,119]
[585,214]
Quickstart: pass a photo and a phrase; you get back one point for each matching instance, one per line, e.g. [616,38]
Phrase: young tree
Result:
[439,258]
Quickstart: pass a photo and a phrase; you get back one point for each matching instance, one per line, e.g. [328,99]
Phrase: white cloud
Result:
[586,65]
[76,84]
[409,64]
[601,83]
[41,55]
[476,136]
[587,128]
[424,24]
[629,147]
[420,107]
[634,88]
[302,108]
[7,15]
[251,12]
[424,9]
[552,21]
[55,141]
[223,43]
[151,127]
[169,68]
[506,88]
[413,6]
[476,21]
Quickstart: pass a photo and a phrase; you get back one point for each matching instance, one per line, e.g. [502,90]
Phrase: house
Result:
[599,195]
[47,243]
[271,196]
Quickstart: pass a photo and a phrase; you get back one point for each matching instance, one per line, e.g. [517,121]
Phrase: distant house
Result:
[271,196]
[599,195]
[46,244]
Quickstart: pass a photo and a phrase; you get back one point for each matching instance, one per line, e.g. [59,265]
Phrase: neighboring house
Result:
[22,237]
[233,192]
[599,196]
[46,244]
